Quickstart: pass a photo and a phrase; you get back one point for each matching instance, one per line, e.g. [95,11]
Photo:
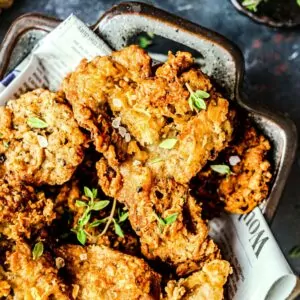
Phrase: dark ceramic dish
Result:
[222,60]
[275,13]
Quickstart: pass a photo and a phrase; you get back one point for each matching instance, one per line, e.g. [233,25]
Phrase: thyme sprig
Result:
[221,169]
[196,99]
[252,5]
[38,250]
[93,204]
[163,222]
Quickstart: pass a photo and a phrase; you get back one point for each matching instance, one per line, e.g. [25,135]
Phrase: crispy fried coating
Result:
[248,185]
[207,284]
[65,201]
[34,279]
[103,273]
[23,212]
[184,243]
[5,287]
[39,156]
[151,109]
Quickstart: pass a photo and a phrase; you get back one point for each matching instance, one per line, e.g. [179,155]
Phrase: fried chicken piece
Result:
[248,185]
[23,212]
[44,153]
[183,244]
[207,284]
[5,287]
[34,279]
[150,109]
[103,273]
[147,110]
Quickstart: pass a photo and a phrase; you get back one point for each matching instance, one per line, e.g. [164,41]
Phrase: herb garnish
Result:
[38,250]
[251,4]
[5,144]
[295,252]
[222,169]
[92,205]
[145,40]
[196,99]
[166,221]
[155,160]
[96,205]
[168,144]
[34,122]
[122,217]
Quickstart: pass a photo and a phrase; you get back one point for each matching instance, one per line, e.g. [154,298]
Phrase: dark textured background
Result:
[272,72]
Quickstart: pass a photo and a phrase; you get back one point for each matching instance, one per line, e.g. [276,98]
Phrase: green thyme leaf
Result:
[196,103]
[202,94]
[196,99]
[168,143]
[222,169]
[298,2]
[5,144]
[80,203]
[81,236]
[88,193]
[123,217]
[85,218]
[155,160]
[1,135]
[95,193]
[251,5]
[38,250]
[34,122]
[99,205]
[159,220]
[295,252]
[150,34]
[170,219]
[96,223]
[118,229]
[144,41]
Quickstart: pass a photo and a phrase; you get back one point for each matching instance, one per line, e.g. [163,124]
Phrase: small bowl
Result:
[273,14]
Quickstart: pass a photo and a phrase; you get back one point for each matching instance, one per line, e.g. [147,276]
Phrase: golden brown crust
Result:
[103,273]
[23,212]
[150,109]
[34,279]
[148,197]
[207,284]
[40,156]
[249,184]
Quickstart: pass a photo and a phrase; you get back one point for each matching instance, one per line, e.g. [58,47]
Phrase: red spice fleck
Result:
[256,44]
[280,69]
[277,56]
[278,38]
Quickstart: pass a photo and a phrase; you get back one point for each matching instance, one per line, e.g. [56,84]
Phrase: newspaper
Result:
[260,270]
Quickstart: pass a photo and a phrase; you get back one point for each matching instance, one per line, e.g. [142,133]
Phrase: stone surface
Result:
[272,59]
